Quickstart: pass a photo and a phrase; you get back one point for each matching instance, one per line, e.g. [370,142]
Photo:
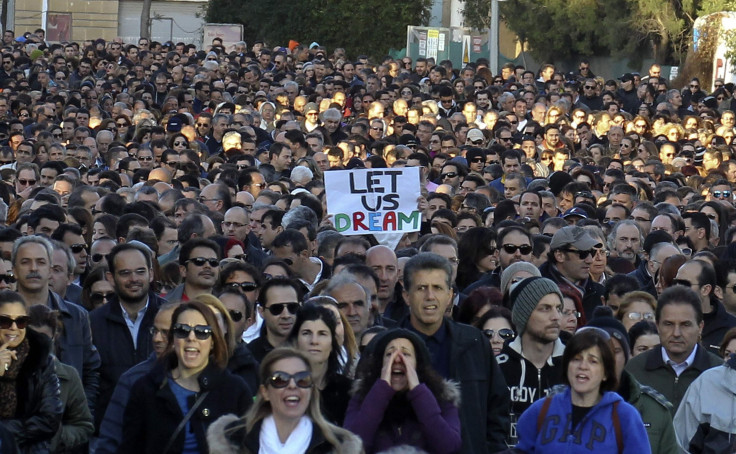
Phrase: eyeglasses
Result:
[235,315]
[448,175]
[180,144]
[163,332]
[694,86]
[281,380]
[640,316]
[26,182]
[229,224]
[7,278]
[571,313]
[587,87]
[98,257]
[278,308]
[97,298]
[503,333]
[205,200]
[512,248]
[77,248]
[200,261]
[245,286]
[145,158]
[582,254]
[201,332]
[640,219]
[20,322]
[721,194]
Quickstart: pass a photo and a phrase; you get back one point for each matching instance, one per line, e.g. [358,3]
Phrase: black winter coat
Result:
[153,413]
[39,411]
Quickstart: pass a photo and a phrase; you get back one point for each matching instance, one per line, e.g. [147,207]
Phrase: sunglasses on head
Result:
[20,322]
[280,379]
[201,332]
[503,333]
[512,248]
[245,286]
[200,261]
[278,308]
[97,298]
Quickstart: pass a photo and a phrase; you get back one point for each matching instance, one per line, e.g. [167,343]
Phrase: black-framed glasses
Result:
[503,333]
[7,278]
[20,322]
[97,297]
[235,315]
[582,254]
[200,261]
[281,379]
[525,249]
[244,286]
[278,308]
[448,175]
[77,248]
[201,332]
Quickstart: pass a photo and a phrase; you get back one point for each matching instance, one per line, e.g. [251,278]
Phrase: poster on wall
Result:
[58,27]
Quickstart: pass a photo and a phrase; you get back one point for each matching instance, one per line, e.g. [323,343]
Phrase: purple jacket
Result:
[436,428]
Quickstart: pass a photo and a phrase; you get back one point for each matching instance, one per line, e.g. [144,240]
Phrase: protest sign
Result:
[364,201]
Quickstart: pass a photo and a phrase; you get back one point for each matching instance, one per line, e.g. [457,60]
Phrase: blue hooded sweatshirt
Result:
[595,433]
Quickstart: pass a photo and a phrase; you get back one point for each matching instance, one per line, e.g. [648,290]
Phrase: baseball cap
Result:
[574,236]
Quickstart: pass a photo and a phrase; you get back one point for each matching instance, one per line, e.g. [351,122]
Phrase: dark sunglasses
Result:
[77,248]
[582,254]
[280,379]
[235,315]
[512,248]
[200,261]
[719,194]
[201,332]
[245,286]
[97,298]
[278,308]
[7,278]
[98,257]
[448,175]
[20,322]
[503,333]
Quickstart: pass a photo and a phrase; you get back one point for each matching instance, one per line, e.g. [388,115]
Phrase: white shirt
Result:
[679,368]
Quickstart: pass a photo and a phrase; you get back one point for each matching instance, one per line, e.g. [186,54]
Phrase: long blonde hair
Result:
[262,408]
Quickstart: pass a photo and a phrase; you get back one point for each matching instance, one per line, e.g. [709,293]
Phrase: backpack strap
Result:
[617,428]
[543,412]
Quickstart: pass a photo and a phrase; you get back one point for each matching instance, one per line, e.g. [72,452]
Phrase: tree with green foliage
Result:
[561,29]
[368,27]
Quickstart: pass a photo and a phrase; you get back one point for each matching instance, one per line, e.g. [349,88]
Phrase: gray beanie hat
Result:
[514,268]
[526,295]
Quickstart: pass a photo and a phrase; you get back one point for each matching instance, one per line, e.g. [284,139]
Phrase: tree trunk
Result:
[146,19]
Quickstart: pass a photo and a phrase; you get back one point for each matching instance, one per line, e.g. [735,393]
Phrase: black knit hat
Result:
[379,343]
[606,322]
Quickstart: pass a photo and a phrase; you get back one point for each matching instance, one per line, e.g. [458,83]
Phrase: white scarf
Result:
[297,443]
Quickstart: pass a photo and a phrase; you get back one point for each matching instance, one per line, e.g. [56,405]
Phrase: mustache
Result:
[33,275]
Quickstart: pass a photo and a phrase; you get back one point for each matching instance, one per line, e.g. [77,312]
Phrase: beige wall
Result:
[91,19]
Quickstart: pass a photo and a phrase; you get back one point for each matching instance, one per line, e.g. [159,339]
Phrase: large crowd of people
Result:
[171,280]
